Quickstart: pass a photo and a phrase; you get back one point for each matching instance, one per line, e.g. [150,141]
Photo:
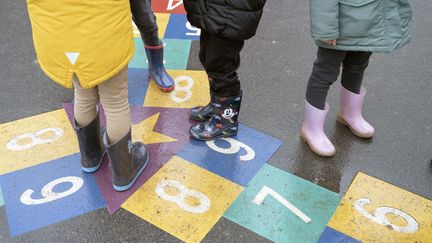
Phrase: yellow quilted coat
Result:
[92,39]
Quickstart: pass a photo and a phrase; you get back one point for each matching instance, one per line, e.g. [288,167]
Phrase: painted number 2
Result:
[233,149]
[16,144]
[184,192]
[48,195]
[379,216]
[259,199]
[186,89]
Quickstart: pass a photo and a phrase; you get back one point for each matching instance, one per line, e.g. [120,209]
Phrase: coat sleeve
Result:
[324,19]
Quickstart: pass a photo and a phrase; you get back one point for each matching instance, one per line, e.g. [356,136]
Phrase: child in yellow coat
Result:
[86,45]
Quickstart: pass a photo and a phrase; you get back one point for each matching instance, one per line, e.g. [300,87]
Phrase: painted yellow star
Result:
[143,132]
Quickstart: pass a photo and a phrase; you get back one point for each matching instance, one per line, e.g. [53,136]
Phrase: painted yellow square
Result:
[192,89]
[188,224]
[382,197]
[24,143]
[162,20]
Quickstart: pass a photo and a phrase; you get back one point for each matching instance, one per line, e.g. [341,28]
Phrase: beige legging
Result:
[113,94]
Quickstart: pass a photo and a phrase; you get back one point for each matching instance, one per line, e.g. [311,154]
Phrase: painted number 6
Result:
[233,149]
[379,216]
[184,192]
[47,191]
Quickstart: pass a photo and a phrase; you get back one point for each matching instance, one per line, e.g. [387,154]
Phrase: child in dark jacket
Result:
[347,32]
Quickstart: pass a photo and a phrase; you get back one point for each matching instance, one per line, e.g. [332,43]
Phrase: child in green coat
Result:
[347,32]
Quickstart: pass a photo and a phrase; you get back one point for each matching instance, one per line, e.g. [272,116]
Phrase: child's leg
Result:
[85,104]
[114,98]
[324,73]
[145,20]
[354,66]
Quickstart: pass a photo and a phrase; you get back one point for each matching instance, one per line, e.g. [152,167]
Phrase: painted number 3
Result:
[29,140]
[48,195]
[379,216]
[183,193]
[233,149]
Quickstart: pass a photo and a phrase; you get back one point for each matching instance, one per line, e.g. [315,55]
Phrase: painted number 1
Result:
[259,199]
[380,213]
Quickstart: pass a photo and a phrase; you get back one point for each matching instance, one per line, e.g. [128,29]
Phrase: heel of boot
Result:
[128,186]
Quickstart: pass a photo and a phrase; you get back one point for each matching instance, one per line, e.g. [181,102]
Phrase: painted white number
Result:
[233,149]
[184,192]
[195,30]
[171,5]
[379,216]
[259,199]
[47,191]
[186,89]
[14,144]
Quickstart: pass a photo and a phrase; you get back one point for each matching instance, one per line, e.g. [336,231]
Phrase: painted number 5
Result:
[233,149]
[48,195]
[195,31]
[379,216]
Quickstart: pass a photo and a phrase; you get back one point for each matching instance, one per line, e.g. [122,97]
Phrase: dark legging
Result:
[145,20]
[326,69]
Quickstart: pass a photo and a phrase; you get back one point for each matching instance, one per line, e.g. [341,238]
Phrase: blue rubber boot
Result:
[157,70]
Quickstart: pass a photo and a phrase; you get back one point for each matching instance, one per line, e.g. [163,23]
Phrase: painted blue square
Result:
[1,197]
[179,28]
[138,85]
[333,236]
[25,206]
[236,162]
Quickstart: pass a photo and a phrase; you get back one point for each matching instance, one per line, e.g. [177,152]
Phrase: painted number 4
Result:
[172,4]
[380,213]
[265,191]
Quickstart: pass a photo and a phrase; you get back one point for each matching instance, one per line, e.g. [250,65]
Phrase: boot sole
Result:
[124,188]
[163,89]
[95,168]
[210,139]
[344,123]
[317,152]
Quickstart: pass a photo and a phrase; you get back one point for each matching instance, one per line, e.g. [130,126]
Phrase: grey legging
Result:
[326,69]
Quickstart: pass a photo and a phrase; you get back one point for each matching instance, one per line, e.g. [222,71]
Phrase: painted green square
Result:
[272,219]
[176,54]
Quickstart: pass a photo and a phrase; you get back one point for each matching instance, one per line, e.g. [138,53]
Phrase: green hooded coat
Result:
[361,25]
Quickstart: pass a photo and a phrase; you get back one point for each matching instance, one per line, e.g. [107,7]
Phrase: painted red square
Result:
[168,6]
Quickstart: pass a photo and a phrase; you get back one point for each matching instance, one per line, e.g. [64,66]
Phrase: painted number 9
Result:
[48,195]
[184,89]
[233,149]
[35,139]
[379,216]
[184,192]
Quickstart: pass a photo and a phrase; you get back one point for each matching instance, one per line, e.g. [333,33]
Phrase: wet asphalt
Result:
[275,68]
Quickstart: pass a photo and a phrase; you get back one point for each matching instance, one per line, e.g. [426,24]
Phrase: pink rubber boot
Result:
[350,113]
[312,131]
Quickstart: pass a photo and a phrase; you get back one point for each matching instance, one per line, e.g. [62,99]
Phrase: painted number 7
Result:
[259,199]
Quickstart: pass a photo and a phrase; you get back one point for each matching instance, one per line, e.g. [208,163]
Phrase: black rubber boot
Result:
[223,121]
[128,161]
[90,144]
[201,113]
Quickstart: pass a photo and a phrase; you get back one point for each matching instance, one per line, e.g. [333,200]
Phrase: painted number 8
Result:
[184,192]
[48,195]
[379,216]
[35,139]
[233,149]
[186,89]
